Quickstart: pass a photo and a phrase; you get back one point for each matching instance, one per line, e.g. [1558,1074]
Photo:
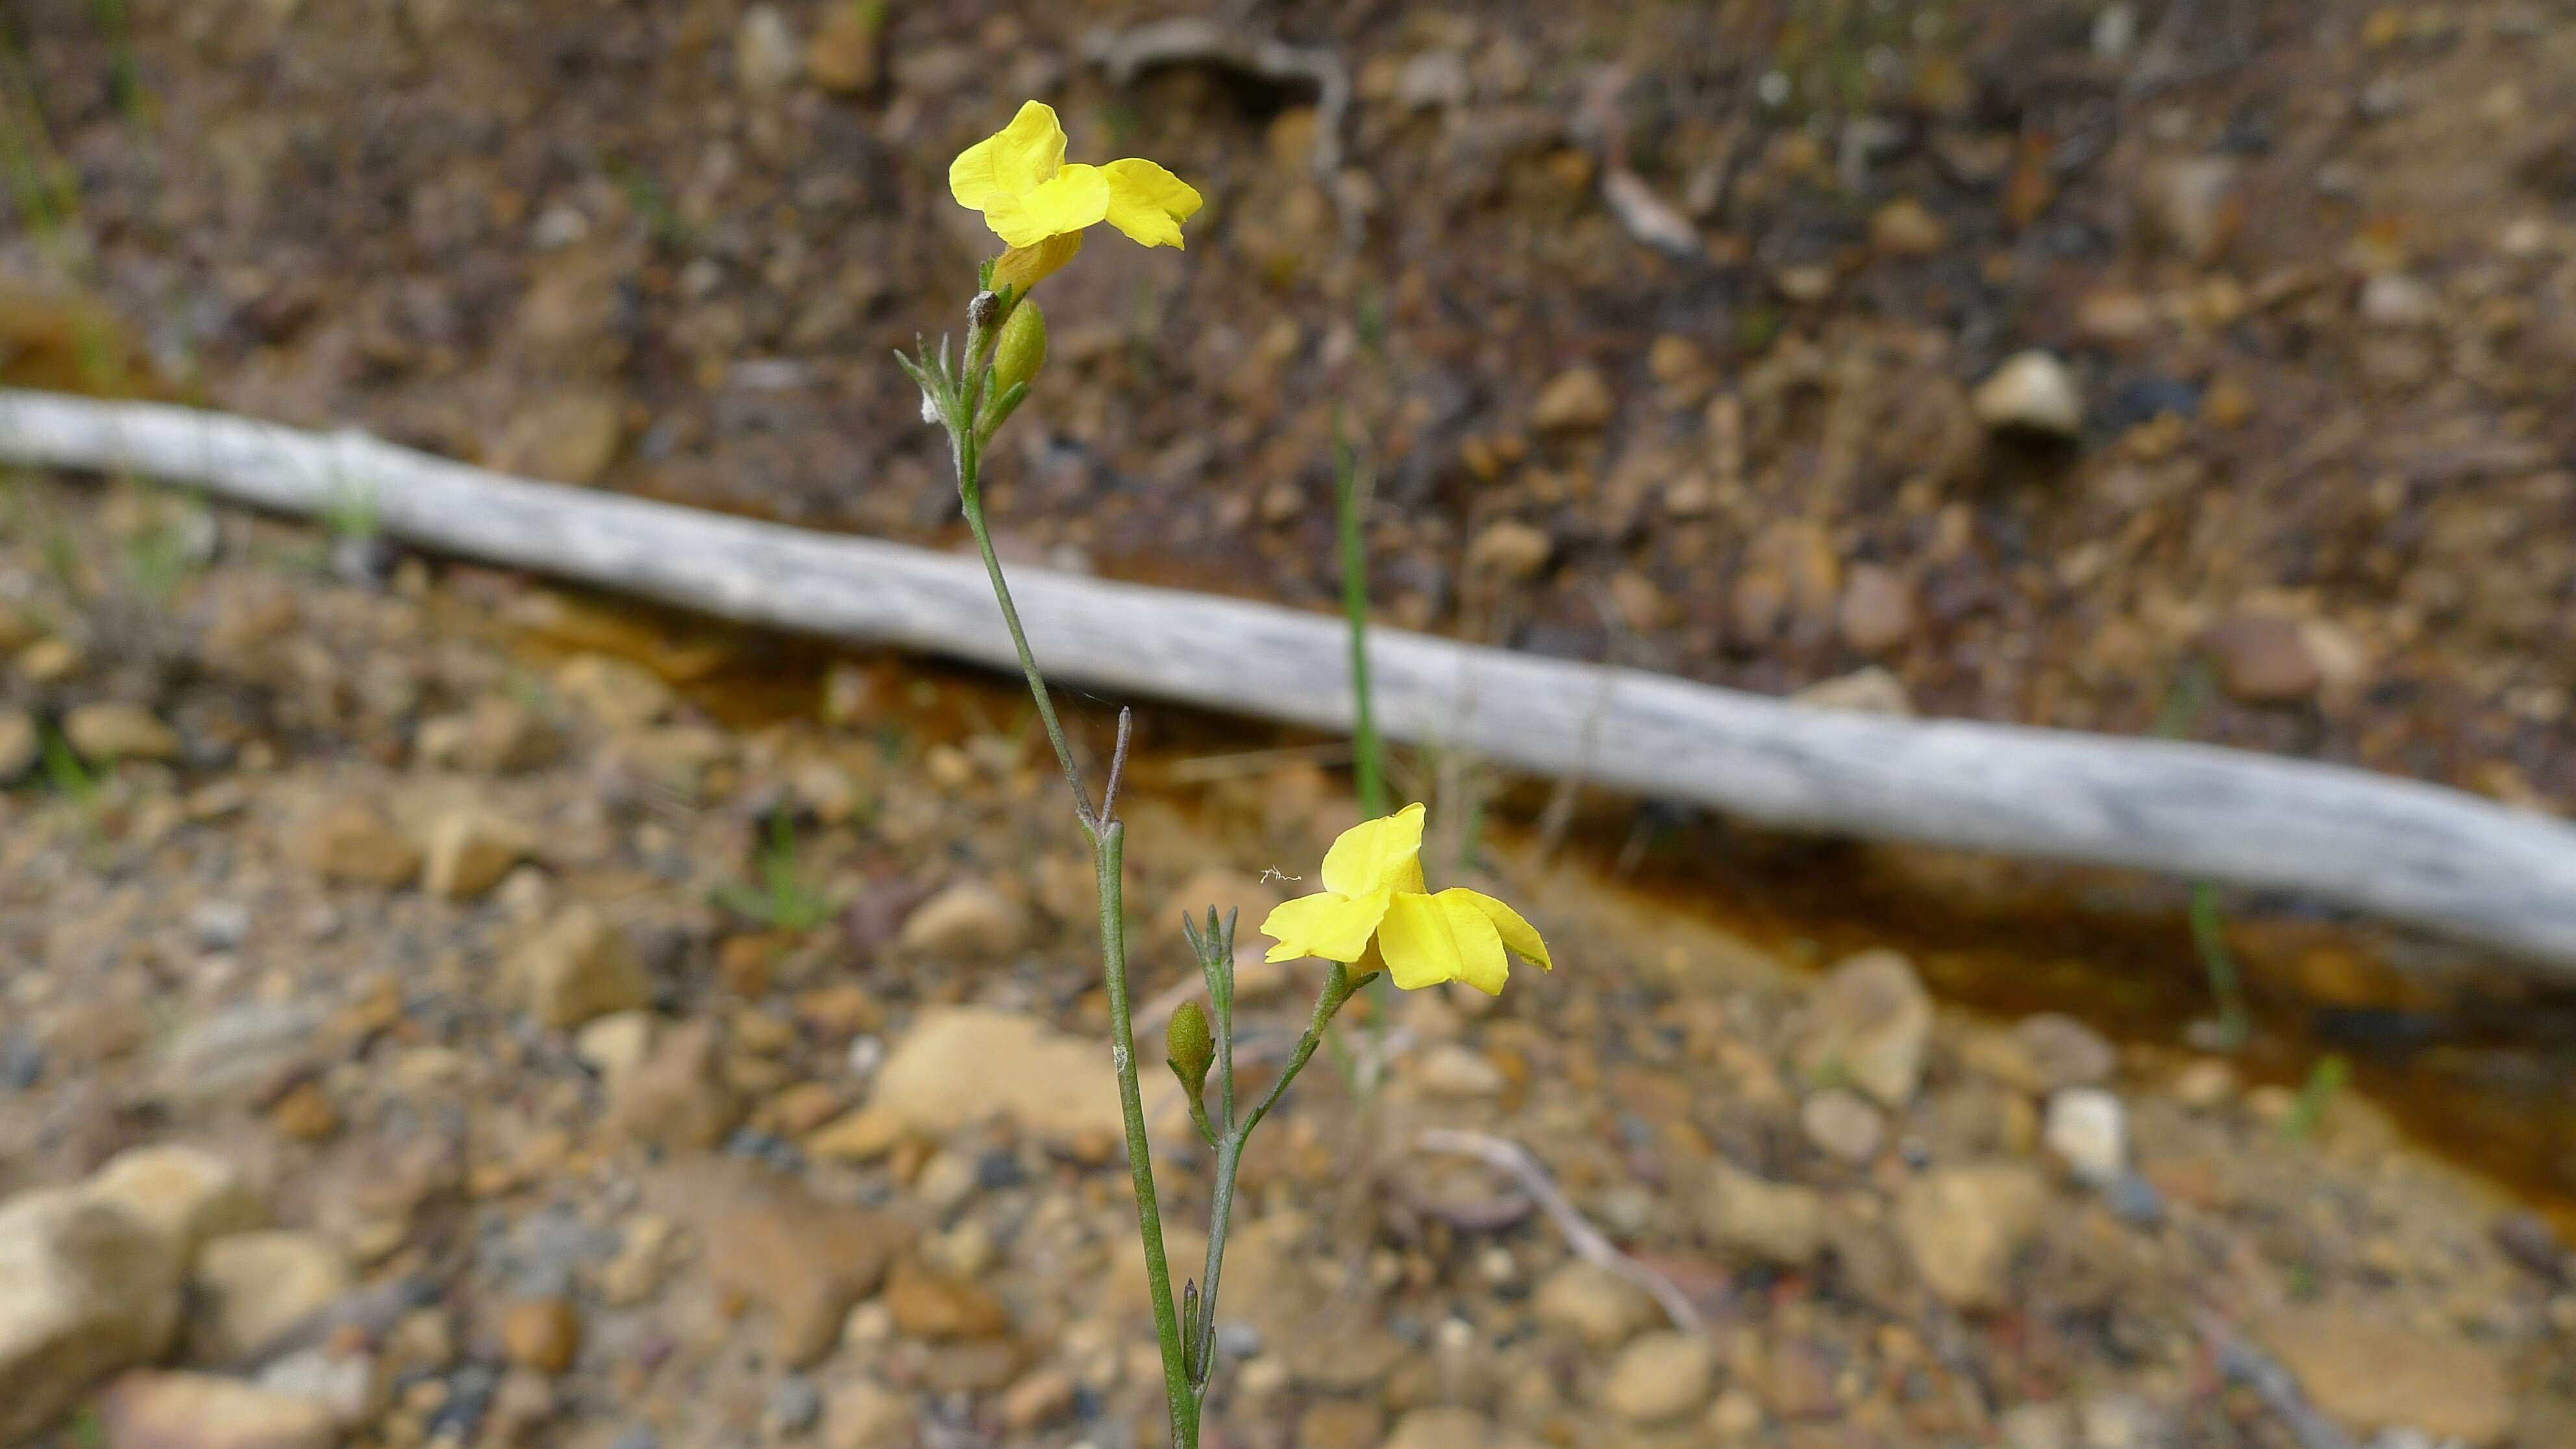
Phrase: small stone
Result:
[765,1238]
[616,1044]
[936,1306]
[941,1078]
[50,661]
[766,58]
[1843,1125]
[1869,690]
[2205,1085]
[1736,1416]
[1510,549]
[1457,1072]
[2367,1369]
[845,57]
[1043,1398]
[622,695]
[469,850]
[795,1405]
[151,1409]
[187,1194]
[250,1289]
[577,968]
[2038,1426]
[860,1136]
[1575,400]
[2088,1129]
[969,919]
[494,735]
[239,1047]
[1877,609]
[2394,299]
[1906,228]
[114,730]
[2065,1052]
[1871,1021]
[305,1114]
[2262,658]
[866,1414]
[542,1334]
[1594,1304]
[1452,1428]
[1964,1226]
[2116,318]
[344,1384]
[2193,204]
[86,1288]
[1776,1223]
[1660,1377]
[20,745]
[2031,392]
[677,1099]
[2134,1200]
[521,1403]
[354,842]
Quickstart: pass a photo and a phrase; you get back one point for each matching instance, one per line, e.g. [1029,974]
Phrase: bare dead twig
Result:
[1586,1240]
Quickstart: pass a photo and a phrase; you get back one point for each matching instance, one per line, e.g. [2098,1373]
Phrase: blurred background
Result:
[512,1014]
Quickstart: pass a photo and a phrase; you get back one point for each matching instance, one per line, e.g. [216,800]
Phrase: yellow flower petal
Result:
[1011,162]
[1075,197]
[1149,203]
[1429,939]
[1024,267]
[1377,854]
[1519,936]
[1329,924]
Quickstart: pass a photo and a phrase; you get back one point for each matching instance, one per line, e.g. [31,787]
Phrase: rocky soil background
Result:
[427,1025]
[2058,360]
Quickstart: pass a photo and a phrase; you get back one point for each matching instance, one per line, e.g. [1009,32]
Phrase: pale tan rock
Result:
[1575,400]
[1965,1225]
[185,1193]
[469,849]
[351,841]
[249,1289]
[2373,1372]
[1660,1377]
[968,919]
[576,968]
[941,1077]
[86,1288]
[115,730]
[152,1409]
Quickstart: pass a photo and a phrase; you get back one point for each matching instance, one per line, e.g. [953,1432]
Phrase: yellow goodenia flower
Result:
[1018,178]
[1374,899]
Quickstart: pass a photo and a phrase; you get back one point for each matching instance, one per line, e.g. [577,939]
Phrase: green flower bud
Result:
[1022,349]
[1188,1048]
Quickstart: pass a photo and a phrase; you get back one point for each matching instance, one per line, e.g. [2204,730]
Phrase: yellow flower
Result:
[1374,899]
[1040,205]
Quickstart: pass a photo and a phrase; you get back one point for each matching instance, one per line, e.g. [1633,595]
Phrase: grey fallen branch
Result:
[2411,852]
[1586,1241]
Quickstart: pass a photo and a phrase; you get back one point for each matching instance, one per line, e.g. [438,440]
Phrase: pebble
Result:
[113,730]
[2205,1085]
[616,1044]
[794,1406]
[1876,613]
[350,841]
[2134,1200]
[865,1414]
[766,58]
[1965,1225]
[1451,1428]
[677,1098]
[186,1194]
[343,1383]
[86,1288]
[1843,1125]
[969,919]
[468,851]
[576,968]
[769,1240]
[250,1289]
[1594,1304]
[1039,1400]
[1575,400]
[1779,1224]
[940,1078]
[20,744]
[937,1306]
[1871,689]
[1905,227]
[2065,1052]
[152,1409]
[1510,549]
[622,695]
[2088,1129]
[2371,1372]
[2191,201]
[1871,1021]
[1659,1377]
[1457,1072]
[845,57]
[543,1334]
[2262,658]
[2031,392]
[239,1047]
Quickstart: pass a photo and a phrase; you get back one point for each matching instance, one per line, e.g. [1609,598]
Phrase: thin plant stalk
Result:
[957,396]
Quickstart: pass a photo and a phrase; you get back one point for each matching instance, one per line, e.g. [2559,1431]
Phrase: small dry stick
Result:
[1586,1240]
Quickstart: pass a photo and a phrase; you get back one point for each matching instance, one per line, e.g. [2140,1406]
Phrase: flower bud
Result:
[1022,350]
[1188,1048]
